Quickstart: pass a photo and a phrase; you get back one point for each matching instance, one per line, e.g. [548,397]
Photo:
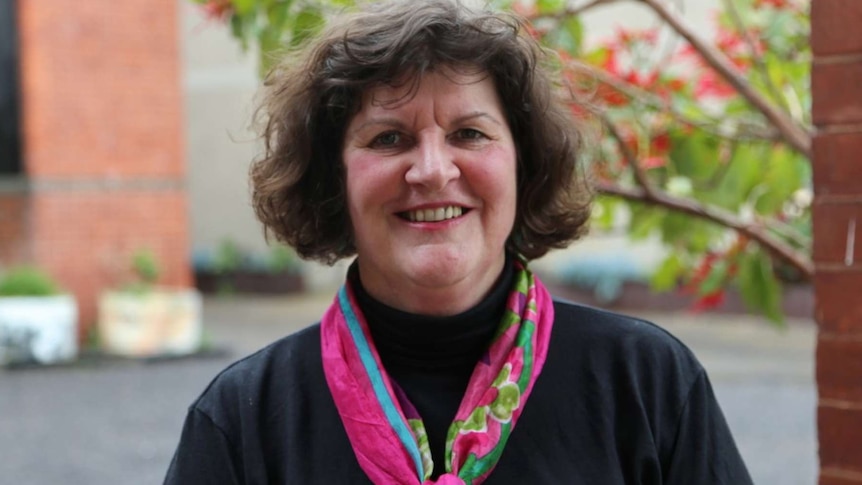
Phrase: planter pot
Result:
[255,282]
[38,329]
[153,323]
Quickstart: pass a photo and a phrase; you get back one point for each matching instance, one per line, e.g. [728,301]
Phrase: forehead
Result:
[464,87]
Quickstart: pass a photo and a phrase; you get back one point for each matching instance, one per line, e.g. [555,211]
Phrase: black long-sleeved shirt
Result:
[619,401]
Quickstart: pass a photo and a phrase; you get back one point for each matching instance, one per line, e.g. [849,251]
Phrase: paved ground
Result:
[109,422]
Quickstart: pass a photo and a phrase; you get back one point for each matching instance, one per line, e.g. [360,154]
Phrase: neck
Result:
[420,298]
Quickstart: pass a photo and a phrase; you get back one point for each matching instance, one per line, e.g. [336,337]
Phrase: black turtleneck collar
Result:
[420,341]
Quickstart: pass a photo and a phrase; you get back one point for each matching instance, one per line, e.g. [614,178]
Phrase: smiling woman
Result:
[429,141]
[410,167]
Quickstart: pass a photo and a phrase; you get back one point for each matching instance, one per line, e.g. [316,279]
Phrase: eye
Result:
[469,134]
[387,139]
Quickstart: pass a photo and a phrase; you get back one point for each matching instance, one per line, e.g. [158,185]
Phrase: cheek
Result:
[499,178]
[353,184]
[367,181]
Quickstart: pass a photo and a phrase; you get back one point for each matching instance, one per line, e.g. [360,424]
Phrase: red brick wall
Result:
[837,111]
[88,238]
[103,142]
[14,228]
[101,88]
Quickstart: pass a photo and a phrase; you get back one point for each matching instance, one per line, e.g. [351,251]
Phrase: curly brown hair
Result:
[298,187]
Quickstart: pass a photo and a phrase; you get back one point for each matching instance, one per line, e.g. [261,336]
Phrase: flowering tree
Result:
[705,142]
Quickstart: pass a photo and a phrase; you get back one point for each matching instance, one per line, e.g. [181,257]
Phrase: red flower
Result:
[611,96]
[660,143]
[708,302]
[676,85]
[771,3]
[653,162]
[710,84]
[218,9]
[525,9]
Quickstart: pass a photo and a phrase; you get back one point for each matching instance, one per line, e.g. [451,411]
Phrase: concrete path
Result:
[110,422]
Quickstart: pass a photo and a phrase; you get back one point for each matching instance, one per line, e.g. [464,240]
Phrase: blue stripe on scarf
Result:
[383,397]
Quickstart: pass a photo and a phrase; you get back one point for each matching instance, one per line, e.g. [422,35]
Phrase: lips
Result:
[437,214]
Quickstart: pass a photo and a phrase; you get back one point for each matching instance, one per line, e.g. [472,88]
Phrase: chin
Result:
[438,268]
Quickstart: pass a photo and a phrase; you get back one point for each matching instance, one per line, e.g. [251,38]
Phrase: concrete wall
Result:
[219,83]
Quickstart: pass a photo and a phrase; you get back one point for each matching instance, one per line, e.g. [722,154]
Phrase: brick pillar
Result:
[837,88]
[103,140]
[14,222]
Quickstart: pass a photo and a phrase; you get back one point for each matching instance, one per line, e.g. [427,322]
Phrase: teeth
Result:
[434,215]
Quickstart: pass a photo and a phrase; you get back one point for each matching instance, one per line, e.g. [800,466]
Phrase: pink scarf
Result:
[387,435]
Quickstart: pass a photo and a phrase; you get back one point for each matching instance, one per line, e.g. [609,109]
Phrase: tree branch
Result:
[574,11]
[571,11]
[796,136]
[738,23]
[757,233]
[650,99]
[629,156]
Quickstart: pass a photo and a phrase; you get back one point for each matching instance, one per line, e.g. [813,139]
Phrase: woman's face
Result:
[431,190]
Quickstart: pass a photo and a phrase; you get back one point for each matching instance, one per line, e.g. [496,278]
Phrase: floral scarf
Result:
[385,431]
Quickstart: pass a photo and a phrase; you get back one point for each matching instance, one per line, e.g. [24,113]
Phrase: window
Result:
[10,130]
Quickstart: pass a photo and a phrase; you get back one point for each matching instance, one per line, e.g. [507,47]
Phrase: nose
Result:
[433,165]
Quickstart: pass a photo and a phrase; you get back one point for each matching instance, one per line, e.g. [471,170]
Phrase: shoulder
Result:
[276,369]
[624,346]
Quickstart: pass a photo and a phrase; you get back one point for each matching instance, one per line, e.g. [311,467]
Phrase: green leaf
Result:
[604,209]
[243,28]
[760,289]
[694,154]
[597,56]
[715,279]
[569,36]
[27,281]
[243,7]
[666,276]
[786,173]
[278,14]
[743,173]
[307,22]
[675,227]
[550,6]
[644,220]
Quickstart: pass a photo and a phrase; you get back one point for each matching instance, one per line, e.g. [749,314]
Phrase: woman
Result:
[424,138]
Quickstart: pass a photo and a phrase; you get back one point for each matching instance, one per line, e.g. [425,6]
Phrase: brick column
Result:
[14,220]
[103,140]
[837,88]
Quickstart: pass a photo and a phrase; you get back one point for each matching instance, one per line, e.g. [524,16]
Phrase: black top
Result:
[619,401]
[432,358]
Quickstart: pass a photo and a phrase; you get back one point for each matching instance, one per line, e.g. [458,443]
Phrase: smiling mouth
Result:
[434,215]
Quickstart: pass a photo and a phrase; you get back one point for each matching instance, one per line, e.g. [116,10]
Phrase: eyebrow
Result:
[478,114]
[384,121]
[397,123]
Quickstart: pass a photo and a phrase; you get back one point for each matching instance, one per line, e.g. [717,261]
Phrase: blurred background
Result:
[125,144]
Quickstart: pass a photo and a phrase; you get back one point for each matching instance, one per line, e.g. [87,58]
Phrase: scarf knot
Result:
[447,479]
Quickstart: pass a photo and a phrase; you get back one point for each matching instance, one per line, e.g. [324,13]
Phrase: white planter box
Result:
[41,329]
[158,322]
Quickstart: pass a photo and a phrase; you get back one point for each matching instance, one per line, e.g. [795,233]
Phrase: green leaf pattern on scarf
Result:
[477,422]
[507,401]
[421,435]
